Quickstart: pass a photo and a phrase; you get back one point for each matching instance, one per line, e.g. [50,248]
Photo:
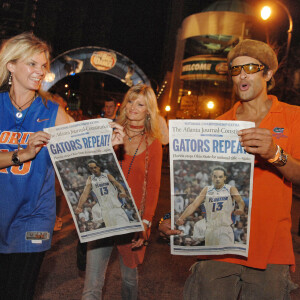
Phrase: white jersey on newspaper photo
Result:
[218,206]
[105,192]
[107,196]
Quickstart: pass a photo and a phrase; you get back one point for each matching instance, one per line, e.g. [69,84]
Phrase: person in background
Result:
[110,109]
[141,165]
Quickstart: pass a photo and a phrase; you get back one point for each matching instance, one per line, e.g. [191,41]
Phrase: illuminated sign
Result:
[203,67]
[103,61]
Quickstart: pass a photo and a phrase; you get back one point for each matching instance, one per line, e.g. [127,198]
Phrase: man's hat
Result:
[258,50]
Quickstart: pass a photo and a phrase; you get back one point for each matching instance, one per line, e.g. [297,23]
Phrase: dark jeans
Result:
[18,275]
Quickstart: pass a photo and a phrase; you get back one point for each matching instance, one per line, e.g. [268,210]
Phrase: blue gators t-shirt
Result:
[27,197]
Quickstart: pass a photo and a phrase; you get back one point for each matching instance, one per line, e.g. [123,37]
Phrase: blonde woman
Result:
[141,165]
[27,202]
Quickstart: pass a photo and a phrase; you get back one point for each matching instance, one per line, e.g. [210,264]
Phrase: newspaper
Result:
[89,173]
[211,187]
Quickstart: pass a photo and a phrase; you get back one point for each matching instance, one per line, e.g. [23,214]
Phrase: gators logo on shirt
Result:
[278,132]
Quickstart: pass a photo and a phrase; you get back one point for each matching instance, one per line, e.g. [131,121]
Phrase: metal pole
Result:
[290,30]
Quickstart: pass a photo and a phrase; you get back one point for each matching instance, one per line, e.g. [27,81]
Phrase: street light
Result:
[210,105]
[265,14]
[167,109]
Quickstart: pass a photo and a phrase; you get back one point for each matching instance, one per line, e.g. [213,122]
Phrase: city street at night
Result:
[95,91]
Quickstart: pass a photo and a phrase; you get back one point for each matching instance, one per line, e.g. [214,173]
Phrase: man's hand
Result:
[165,230]
[258,141]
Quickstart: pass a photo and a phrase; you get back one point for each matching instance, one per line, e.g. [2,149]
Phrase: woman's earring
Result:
[9,79]
[148,117]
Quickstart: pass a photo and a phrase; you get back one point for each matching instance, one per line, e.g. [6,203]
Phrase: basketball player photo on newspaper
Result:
[211,187]
[90,176]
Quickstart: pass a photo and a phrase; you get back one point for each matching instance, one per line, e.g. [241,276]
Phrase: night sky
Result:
[139,29]
[134,28]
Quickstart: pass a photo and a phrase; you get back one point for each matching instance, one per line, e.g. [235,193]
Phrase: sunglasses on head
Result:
[248,68]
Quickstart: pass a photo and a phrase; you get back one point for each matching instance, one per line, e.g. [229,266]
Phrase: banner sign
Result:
[94,59]
[203,67]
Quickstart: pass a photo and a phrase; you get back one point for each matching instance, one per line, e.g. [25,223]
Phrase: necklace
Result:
[132,160]
[142,206]
[19,113]
[135,130]
[20,126]
[133,136]
[143,200]
[136,127]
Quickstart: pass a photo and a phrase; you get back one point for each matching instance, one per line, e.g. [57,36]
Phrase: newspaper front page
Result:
[211,187]
[95,188]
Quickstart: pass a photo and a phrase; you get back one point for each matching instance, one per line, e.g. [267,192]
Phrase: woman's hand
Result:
[35,143]
[118,134]
[139,238]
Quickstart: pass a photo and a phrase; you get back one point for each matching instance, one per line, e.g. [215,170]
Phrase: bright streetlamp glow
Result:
[265,12]
[168,108]
[210,105]
[189,93]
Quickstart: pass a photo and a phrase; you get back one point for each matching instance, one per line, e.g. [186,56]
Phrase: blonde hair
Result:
[151,120]
[20,47]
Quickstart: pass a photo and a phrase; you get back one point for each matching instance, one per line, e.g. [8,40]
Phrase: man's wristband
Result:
[271,160]
[280,158]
